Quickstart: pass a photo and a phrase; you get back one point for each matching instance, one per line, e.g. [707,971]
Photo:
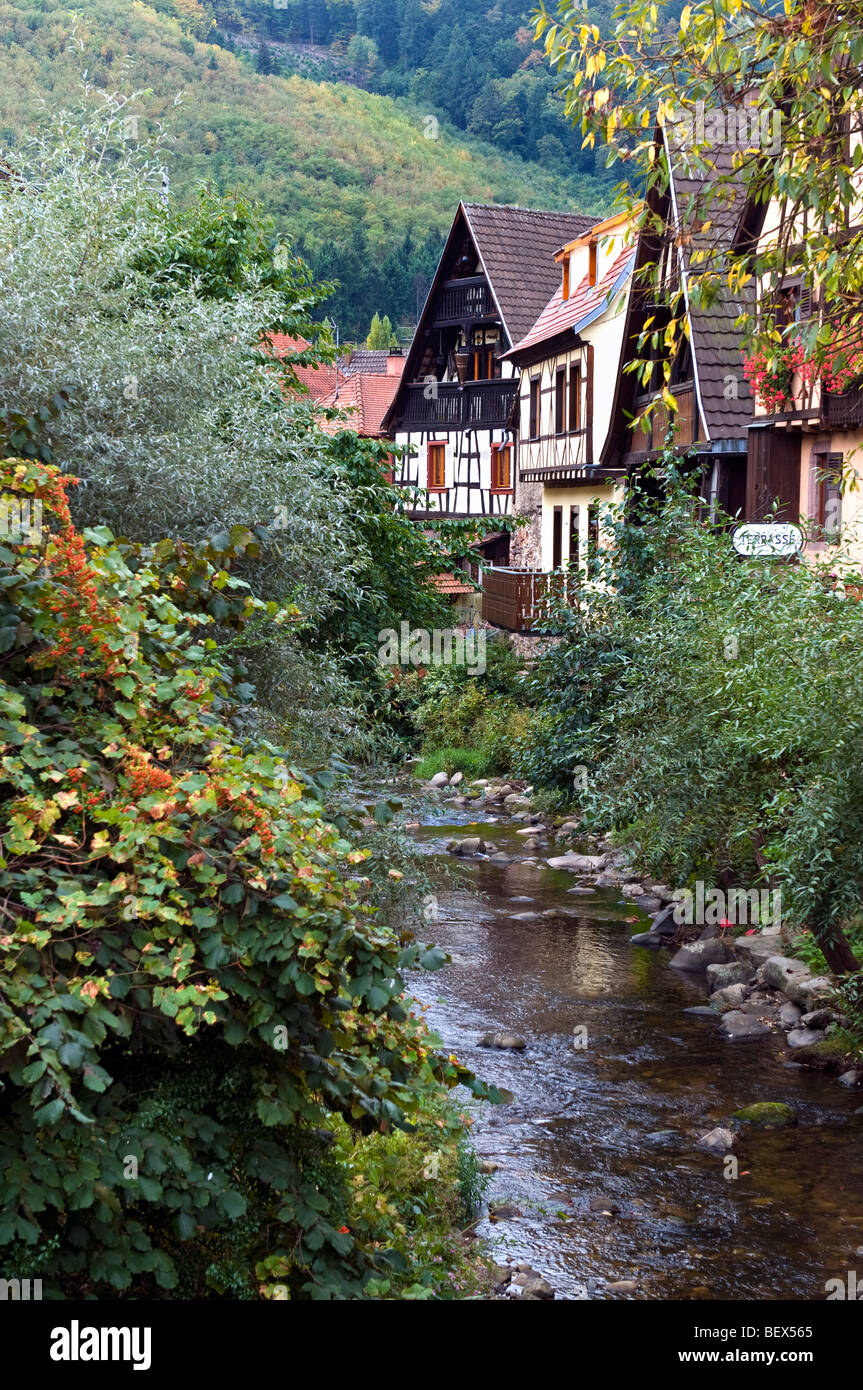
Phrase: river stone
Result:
[805,1037]
[701,1011]
[578,863]
[537,1287]
[808,992]
[740,1027]
[525,917]
[632,890]
[757,948]
[570,827]
[664,923]
[731,997]
[531,844]
[661,890]
[718,1140]
[500,858]
[605,881]
[778,971]
[818,1018]
[579,888]
[851,1078]
[440,779]
[623,1285]
[789,1014]
[604,1204]
[646,938]
[697,955]
[767,1114]
[504,1212]
[736,972]
[512,1041]
[648,903]
[472,845]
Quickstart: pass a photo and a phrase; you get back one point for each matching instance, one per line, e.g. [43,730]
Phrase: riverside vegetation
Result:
[209,1054]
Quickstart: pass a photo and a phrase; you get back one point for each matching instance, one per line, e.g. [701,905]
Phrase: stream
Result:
[618,1119]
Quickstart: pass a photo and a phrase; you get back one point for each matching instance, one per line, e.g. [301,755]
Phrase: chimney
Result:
[395,363]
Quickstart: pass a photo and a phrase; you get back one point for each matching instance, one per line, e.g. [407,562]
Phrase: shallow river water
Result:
[618,1119]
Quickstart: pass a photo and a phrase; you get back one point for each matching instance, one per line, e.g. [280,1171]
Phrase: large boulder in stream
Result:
[766,1114]
[511,1041]
[778,972]
[577,863]
[736,972]
[740,1027]
[697,955]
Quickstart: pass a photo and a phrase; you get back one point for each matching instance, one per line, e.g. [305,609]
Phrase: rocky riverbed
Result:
[670,1131]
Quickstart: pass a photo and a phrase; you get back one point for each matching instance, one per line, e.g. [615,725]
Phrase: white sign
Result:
[776,538]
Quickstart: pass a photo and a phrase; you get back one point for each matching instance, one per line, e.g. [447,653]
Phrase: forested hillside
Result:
[364,184]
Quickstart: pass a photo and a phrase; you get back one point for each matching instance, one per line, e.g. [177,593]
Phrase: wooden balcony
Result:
[463,301]
[519,599]
[845,411]
[653,437]
[449,406]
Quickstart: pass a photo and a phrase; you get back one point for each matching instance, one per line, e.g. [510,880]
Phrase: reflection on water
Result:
[617,1119]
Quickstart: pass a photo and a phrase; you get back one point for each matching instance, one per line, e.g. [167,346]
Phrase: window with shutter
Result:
[574,398]
[560,400]
[534,407]
[436,466]
[501,473]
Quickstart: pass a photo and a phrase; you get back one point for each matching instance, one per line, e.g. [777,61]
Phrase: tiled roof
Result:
[372,360]
[585,304]
[724,391]
[517,247]
[318,381]
[449,584]
[365,399]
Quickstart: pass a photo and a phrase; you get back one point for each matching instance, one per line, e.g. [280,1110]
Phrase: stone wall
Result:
[525,547]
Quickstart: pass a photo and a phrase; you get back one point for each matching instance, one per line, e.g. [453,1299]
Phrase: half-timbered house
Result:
[714,404]
[455,402]
[568,364]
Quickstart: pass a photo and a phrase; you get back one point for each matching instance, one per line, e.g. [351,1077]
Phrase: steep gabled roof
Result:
[517,247]
[586,304]
[722,392]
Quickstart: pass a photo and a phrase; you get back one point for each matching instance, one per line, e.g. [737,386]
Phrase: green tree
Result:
[380,334]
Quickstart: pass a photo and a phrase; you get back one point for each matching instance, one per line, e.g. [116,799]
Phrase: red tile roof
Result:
[449,584]
[586,302]
[365,399]
[318,381]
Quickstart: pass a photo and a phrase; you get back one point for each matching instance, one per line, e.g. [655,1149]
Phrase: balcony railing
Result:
[477,405]
[653,437]
[460,301]
[846,410]
[519,599]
